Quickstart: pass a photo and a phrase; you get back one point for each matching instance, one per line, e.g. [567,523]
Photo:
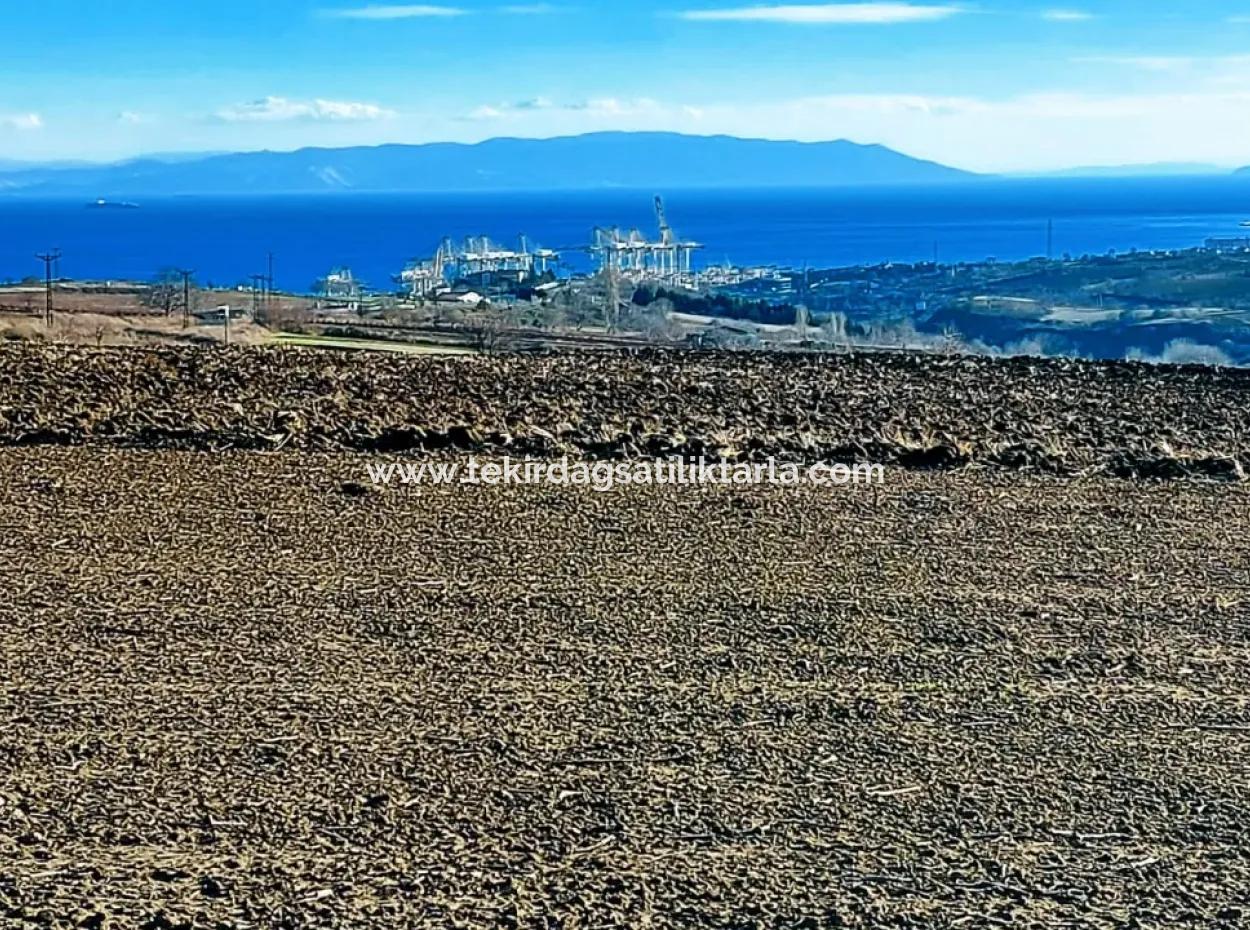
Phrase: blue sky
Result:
[985,85]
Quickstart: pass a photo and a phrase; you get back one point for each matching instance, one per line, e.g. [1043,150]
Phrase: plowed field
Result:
[1052,415]
[233,695]
[240,687]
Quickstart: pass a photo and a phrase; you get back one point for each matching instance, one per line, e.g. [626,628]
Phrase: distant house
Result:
[1000,303]
[338,309]
[216,316]
[469,298]
[1228,244]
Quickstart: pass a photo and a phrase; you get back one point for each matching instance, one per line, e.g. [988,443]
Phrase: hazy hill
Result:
[1152,170]
[599,160]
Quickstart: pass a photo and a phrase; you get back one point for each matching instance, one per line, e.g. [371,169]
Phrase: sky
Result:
[989,85]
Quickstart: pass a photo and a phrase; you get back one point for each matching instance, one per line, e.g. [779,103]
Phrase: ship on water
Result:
[102,204]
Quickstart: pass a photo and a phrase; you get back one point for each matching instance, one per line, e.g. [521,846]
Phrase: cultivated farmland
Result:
[241,688]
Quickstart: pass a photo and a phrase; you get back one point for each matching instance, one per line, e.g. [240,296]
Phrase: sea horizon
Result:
[227,238]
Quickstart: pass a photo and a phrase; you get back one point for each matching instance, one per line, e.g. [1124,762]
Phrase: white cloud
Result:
[1216,69]
[614,106]
[1067,16]
[132,118]
[407,11]
[828,13]
[596,107]
[531,9]
[503,110]
[534,103]
[24,122]
[280,109]
[344,110]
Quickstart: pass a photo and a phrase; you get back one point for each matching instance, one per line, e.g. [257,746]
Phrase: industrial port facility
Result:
[621,282]
[488,267]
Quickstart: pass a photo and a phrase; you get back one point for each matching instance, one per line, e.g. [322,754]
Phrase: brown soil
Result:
[236,696]
[912,411]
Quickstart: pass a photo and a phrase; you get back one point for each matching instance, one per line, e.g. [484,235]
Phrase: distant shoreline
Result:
[227,238]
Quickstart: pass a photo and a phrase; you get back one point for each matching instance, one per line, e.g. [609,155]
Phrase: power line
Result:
[48,259]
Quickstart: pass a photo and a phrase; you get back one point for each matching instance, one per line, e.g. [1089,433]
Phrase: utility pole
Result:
[258,287]
[48,259]
[269,291]
[186,295]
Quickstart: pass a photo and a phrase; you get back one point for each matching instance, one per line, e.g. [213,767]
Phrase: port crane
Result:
[628,254]
[668,259]
[475,257]
[666,231]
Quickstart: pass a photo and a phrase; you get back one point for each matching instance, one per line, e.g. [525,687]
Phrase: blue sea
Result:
[226,239]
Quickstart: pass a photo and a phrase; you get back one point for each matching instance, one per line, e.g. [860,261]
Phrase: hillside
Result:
[599,160]
[1160,169]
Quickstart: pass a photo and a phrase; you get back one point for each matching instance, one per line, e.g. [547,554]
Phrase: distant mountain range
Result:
[638,160]
[596,161]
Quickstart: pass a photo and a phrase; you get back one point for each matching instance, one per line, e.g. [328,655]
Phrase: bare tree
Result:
[835,330]
[166,291]
[489,335]
[952,342]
